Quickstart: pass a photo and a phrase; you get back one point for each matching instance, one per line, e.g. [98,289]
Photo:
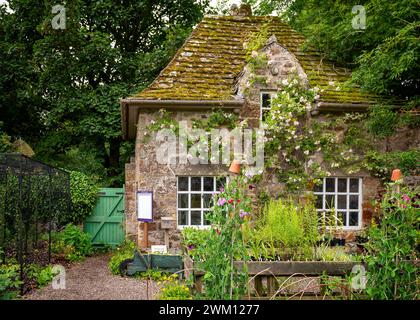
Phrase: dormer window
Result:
[266,100]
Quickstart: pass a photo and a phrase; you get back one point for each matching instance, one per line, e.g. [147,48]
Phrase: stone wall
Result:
[148,175]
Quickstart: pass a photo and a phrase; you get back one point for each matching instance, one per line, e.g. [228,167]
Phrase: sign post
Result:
[145,213]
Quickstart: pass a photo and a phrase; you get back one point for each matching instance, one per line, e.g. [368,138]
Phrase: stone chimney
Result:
[244,10]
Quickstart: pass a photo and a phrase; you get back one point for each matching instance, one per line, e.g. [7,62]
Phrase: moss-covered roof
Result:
[205,67]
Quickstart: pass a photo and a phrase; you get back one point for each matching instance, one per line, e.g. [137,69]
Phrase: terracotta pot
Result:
[396,175]
[235,167]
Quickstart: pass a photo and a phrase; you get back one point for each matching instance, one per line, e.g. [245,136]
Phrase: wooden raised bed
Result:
[265,274]
[161,262]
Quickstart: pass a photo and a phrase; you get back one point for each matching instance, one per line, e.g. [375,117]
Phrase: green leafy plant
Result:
[382,121]
[9,281]
[45,276]
[174,290]
[83,195]
[392,247]
[291,228]
[123,252]
[336,254]
[192,239]
[157,275]
[40,275]
[225,243]
[73,242]
[381,164]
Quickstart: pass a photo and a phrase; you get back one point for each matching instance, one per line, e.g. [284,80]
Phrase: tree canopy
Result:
[60,89]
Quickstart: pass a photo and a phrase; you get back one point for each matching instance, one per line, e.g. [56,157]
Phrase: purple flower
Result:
[222,189]
[243,213]
[191,246]
[221,202]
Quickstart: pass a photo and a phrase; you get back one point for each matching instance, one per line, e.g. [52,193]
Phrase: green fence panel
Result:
[106,223]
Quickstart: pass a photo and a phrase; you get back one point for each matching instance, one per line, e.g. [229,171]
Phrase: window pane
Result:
[208,184]
[182,200]
[330,184]
[342,185]
[318,188]
[354,202]
[220,182]
[183,218]
[207,200]
[195,200]
[195,218]
[341,202]
[341,216]
[354,185]
[354,218]
[183,183]
[266,100]
[265,114]
[329,201]
[318,201]
[195,183]
[206,220]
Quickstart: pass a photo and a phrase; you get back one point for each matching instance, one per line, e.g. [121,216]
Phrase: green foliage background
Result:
[83,195]
[60,89]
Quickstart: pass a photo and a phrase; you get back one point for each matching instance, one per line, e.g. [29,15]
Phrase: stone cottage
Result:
[210,71]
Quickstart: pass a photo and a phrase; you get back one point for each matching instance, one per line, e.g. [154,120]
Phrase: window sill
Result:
[193,227]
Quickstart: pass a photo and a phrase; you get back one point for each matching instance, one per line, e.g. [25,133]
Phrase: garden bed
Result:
[265,275]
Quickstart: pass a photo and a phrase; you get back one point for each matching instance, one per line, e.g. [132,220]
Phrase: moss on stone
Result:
[206,66]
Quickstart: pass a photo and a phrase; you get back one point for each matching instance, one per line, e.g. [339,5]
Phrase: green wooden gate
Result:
[106,223]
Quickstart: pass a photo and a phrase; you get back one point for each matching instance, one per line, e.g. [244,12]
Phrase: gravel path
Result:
[92,280]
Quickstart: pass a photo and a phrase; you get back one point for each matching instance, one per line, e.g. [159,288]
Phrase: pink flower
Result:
[243,213]
[221,202]
[406,198]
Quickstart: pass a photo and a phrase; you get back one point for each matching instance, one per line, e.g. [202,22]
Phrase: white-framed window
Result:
[194,199]
[266,100]
[344,194]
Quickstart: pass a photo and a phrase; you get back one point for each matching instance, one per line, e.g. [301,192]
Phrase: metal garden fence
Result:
[33,195]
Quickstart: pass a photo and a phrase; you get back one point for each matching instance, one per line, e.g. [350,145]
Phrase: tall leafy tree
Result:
[108,49]
[20,105]
[385,55]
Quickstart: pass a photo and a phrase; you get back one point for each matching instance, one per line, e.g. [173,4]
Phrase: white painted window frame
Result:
[272,93]
[189,192]
[346,227]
